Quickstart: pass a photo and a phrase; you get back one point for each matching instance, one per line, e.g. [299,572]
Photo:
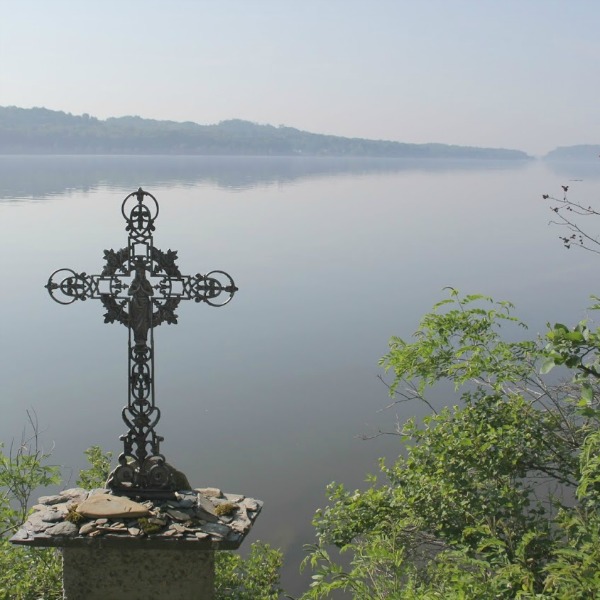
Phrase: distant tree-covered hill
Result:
[580,152]
[43,131]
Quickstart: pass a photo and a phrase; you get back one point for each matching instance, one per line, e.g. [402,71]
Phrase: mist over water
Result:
[268,396]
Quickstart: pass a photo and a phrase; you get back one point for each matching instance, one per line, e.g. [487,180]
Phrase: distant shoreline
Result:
[46,132]
[270,156]
[43,132]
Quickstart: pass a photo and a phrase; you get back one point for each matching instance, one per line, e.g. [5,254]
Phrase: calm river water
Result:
[269,395]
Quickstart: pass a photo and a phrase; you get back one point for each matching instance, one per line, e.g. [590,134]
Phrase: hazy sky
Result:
[507,73]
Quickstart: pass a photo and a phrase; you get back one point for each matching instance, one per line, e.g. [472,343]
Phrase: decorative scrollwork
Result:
[115,261]
[140,214]
[65,286]
[207,288]
[123,476]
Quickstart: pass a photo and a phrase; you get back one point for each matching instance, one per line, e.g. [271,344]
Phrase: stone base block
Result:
[101,573]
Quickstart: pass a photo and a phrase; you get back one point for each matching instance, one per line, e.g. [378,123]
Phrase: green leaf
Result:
[587,393]
[547,365]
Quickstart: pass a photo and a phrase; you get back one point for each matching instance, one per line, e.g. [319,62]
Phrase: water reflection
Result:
[573,169]
[37,177]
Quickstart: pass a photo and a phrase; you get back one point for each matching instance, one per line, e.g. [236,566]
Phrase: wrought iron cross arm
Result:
[215,288]
[65,286]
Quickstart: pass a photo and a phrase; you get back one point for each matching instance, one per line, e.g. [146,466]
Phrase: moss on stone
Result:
[73,516]
[147,527]
[226,508]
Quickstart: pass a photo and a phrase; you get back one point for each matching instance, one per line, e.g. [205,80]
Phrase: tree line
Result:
[43,131]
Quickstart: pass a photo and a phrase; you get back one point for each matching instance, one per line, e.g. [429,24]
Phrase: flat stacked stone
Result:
[76,517]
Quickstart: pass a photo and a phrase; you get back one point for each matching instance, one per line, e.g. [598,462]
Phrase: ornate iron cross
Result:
[140,287]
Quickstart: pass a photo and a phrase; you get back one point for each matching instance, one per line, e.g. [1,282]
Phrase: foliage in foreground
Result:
[36,573]
[253,578]
[496,497]
[25,573]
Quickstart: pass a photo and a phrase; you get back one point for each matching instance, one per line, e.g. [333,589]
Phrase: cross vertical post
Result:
[140,287]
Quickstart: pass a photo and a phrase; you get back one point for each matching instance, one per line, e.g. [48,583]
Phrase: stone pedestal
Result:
[96,573]
[115,548]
